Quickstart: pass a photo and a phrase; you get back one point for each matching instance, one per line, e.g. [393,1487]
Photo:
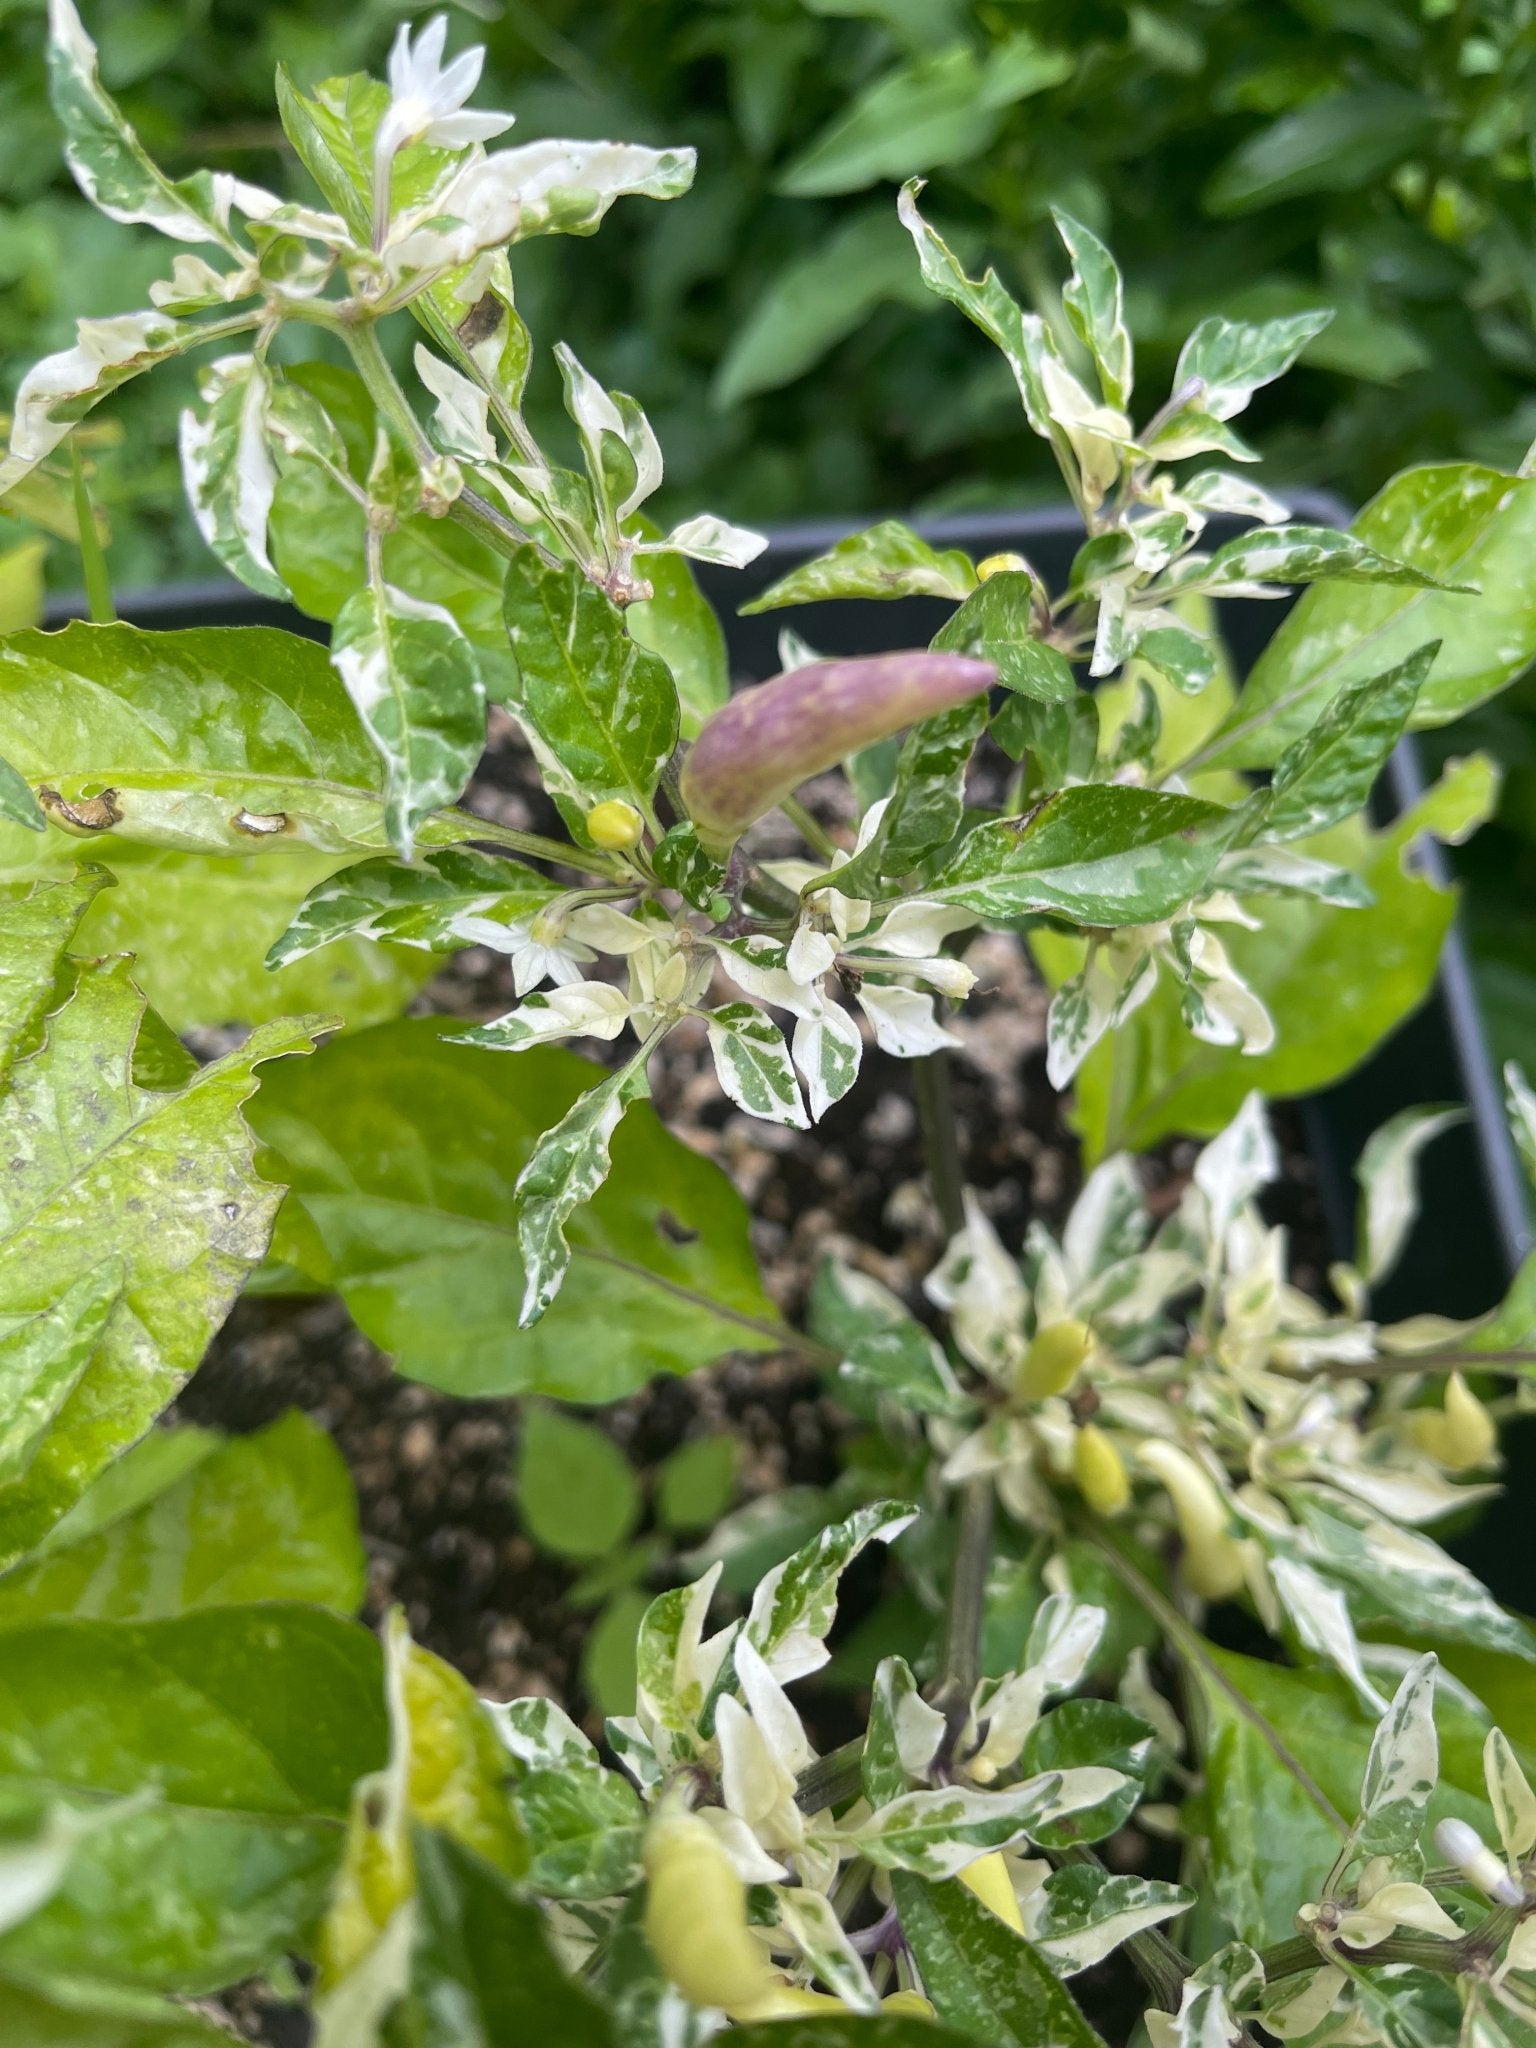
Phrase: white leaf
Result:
[1320,1615]
[904,1022]
[1521,1099]
[106,353]
[1234,1166]
[583,1009]
[827,1049]
[983,1292]
[708,539]
[1387,1174]
[462,413]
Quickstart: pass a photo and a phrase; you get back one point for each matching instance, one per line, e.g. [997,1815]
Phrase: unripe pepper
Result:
[765,742]
[1462,1434]
[696,1924]
[615,826]
[1100,1471]
[1213,1560]
[1053,1359]
[912,2002]
[988,1878]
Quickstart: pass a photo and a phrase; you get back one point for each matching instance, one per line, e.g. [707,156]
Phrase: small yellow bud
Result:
[988,1878]
[1213,1560]
[1054,1358]
[994,565]
[696,1917]
[1100,1471]
[615,826]
[908,2001]
[1462,1435]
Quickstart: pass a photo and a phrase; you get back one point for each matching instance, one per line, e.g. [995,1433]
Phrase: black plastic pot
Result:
[1473,1227]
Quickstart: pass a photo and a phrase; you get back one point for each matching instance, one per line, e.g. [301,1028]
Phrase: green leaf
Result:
[696,1484]
[441,903]
[1330,771]
[677,623]
[482,1974]
[402,1149]
[1460,524]
[1284,1753]
[18,806]
[1094,298]
[940,108]
[996,623]
[851,2031]
[1234,358]
[984,1979]
[41,1363]
[584,1826]
[413,681]
[269,1516]
[1305,554]
[1101,855]
[575,1490]
[601,713]
[65,2013]
[1084,1732]
[1341,143]
[1152,1078]
[927,803]
[815,302]
[251,1723]
[164,1178]
[888,560]
[608,1659]
[905,1362]
[228,468]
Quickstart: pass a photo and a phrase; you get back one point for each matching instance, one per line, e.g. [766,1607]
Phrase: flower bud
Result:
[696,1917]
[615,826]
[764,743]
[1100,1471]
[1213,1560]
[1463,1846]
[988,1878]
[1053,1359]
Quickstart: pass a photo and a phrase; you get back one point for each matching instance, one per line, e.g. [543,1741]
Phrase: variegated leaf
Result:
[794,1606]
[753,1065]
[443,901]
[228,469]
[1082,1914]
[1403,1767]
[1388,1176]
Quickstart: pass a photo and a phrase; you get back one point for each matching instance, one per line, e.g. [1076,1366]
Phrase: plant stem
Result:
[372,366]
[810,829]
[538,847]
[931,1083]
[93,562]
[831,1779]
[967,1602]
[1516,1363]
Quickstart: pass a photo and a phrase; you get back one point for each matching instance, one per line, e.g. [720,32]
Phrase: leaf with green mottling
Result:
[1306,554]
[677,623]
[796,1603]
[1090,1733]
[996,622]
[1083,1913]
[601,713]
[888,560]
[163,1177]
[402,1148]
[1104,854]
[927,800]
[1094,298]
[252,1723]
[1234,358]
[1401,1769]
[227,467]
[984,1979]
[412,678]
[753,1065]
[584,1827]
[441,902]
[269,1516]
[1330,771]
[1458,523]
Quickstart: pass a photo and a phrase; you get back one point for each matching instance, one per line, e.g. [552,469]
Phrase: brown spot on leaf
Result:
[261,824]
[81,814]
[481,321]
[671,1229]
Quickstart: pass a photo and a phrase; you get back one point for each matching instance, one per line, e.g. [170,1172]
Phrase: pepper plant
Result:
[1095,1467]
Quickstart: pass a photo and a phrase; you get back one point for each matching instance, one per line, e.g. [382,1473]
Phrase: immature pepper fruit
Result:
[988,1878]
[1462,1434]
[1213,1561]
[615,826]
[1100,1472]
[1054,1359]
[696,1924]
[765,742]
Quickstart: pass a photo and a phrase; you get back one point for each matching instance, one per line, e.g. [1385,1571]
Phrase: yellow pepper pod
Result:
[1471,1436]
[615,826]
[988,1878]
[1100,1471]
[1213,1560]
[1054,1359]
[696,1918]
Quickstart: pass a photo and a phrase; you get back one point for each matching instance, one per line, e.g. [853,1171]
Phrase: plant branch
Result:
[537,847]
[1513,1362]
[931,1081]
[961,1666]
[831,1779]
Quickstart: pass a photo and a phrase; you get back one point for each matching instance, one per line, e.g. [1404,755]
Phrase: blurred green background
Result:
[1252,156]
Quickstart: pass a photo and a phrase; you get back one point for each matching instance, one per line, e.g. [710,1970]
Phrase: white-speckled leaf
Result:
[794,1606]
[753,1065]
[1403,1767]
[443,901]
[1234,358]
[1306,554]
[1082,1913]
[811,1920]
[1094,297]
[888,560]
[227,467]
[1511,1797]
[412,678]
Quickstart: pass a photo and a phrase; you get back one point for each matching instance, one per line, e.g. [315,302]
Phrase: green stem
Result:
[372,366]
[932,1083]
[810,829]
[967,1604]
[93,561]
[832,1779]
[539,848]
